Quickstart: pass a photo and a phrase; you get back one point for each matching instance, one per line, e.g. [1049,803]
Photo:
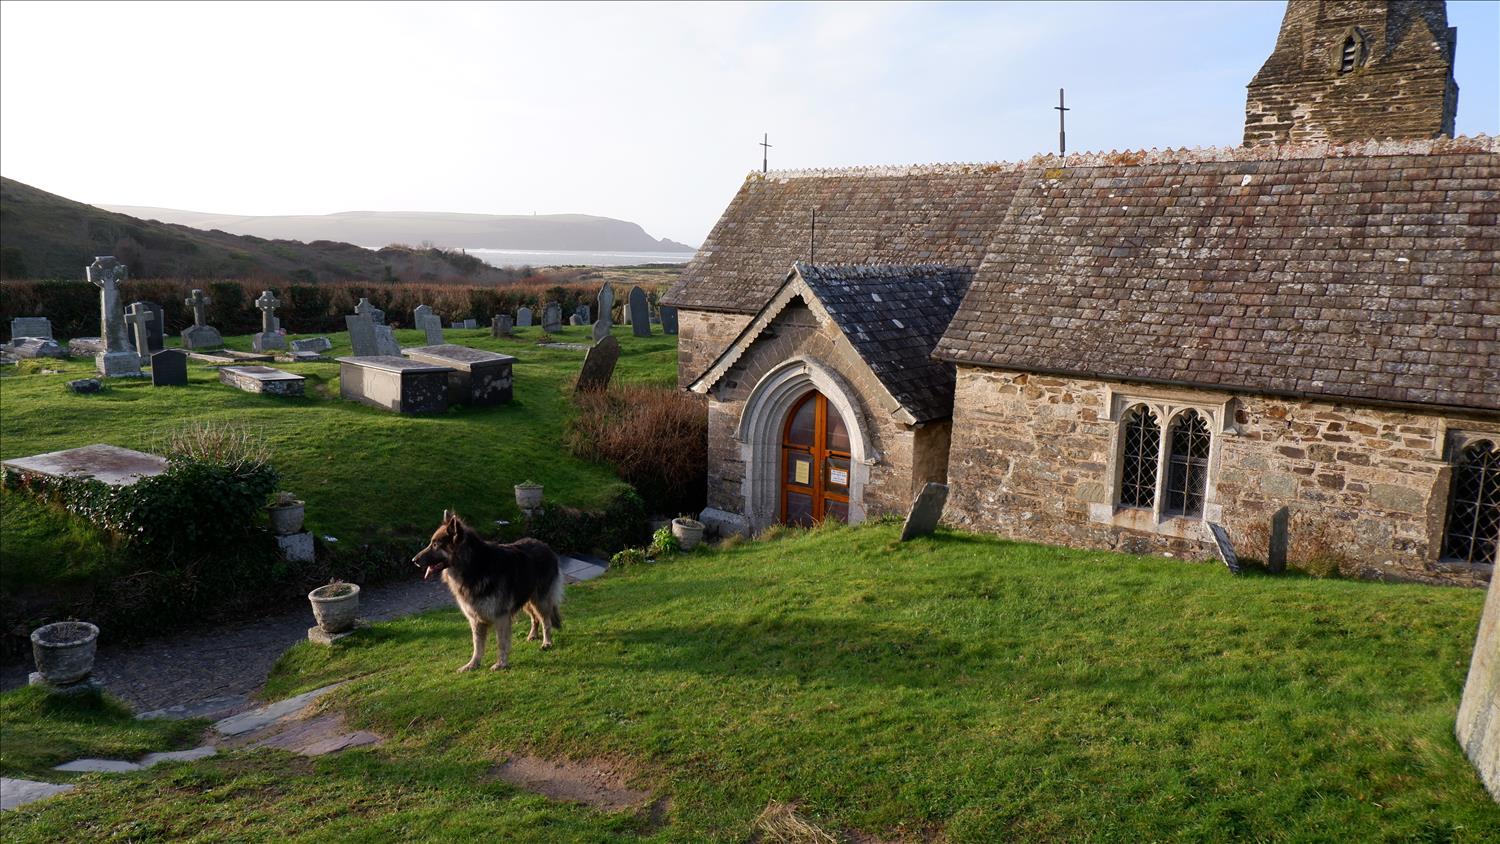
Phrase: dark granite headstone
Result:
[640,313]
[1224,547]
[502,325]
[169,368]
[599,365]
[926,510]
[1276,553]
[668,320]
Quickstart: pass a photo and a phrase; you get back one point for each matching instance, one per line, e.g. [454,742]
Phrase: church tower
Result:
[1349,70]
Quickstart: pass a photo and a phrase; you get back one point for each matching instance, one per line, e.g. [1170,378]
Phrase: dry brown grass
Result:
[655,437]
[780,822]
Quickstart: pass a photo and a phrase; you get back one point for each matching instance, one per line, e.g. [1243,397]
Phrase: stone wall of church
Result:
[797,333]
[701,336]
[1033,458]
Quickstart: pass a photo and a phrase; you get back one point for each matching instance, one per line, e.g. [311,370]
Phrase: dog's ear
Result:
[447,515]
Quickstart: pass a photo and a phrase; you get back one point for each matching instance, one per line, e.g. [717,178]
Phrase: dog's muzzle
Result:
[434,560]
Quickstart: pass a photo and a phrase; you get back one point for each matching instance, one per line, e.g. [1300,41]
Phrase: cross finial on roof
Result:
[765,148]
[1062,115]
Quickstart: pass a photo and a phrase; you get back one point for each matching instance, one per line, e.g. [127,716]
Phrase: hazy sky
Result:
[650,113]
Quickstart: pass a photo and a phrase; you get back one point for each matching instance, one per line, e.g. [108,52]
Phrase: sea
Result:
[525,258]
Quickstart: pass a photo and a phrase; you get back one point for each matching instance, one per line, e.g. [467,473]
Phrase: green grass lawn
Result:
[366,474]
[956,688]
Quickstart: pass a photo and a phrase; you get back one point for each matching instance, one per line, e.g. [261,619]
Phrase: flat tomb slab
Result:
[262,379]
[220,357]
[479,378]
[108,463]
[395,383]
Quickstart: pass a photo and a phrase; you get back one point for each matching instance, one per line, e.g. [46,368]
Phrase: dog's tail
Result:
[554,603]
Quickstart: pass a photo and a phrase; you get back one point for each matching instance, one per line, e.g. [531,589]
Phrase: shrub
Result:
[663,543]
[671,474]
[621,523]
[628,557]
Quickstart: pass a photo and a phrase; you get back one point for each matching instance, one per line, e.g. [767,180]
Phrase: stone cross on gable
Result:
[268,305]
[140,318]
[199,303]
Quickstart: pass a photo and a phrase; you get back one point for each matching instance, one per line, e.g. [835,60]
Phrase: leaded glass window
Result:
[1142,449]
[1187,464]
[1474,506]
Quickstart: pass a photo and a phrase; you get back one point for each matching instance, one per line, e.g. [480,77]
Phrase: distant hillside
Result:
[43,235]
[560,232]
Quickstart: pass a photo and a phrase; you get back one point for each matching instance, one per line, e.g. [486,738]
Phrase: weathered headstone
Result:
[926,510]
[502,325]
[140,317]
[468,323]
[86,347]
[361,335]
[200,335]
[1280,540]
[30,327]
[1224,547]
[118,358]
[640,313]
[523,317]
[169,368]
[269,338]
[312,344]
[364,308]
[668,319]
[582,312]
[385,341]
[431,324]
[155,329]
[552,317]
[607,304]
[601,330]
[575,319]
[85,385]
[598,365]
[35,347]
[1478,723]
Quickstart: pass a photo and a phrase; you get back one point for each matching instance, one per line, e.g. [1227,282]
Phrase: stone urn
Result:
[689,532]
[64,651]
[286,515]
[529,496]
[335,606]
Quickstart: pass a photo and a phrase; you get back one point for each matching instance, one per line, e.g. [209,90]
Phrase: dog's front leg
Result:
[502,640]
[481,632]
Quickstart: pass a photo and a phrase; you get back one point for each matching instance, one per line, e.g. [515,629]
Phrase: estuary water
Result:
[525,258]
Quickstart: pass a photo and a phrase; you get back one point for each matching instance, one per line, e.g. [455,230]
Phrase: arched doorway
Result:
[815,463]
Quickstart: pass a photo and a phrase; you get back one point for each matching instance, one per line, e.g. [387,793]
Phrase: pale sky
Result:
[645,112]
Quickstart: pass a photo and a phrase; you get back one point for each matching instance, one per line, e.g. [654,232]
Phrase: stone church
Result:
[1112,350]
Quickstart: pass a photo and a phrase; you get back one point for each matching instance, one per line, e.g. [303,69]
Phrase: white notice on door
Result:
[838,476]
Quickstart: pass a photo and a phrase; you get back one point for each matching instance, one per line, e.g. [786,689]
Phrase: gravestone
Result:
[1224,547]
[640,313]
[601,330]
[200,335]
[262,379]
[668,320]
[369,339]
[468,323]
[169,368]
[86,347]
[385,341]
[552,317]
[118,360]
[426,321]
[312,344]
[523,318]
[38,326]
[269,338]
[477,378]
[607,305]
[926,510]
[364,308]
[391,382]
[1478,723]
[1276,553]
[598,365]
[35,347]
[502,325]
[85,385]
[575,319]
[140,317]
[582,312]
[108,464]
[155,329]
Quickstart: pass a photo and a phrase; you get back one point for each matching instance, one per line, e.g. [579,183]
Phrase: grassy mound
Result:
[958,687]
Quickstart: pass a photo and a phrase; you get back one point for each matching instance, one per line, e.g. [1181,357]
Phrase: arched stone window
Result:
[1187,464]
[1138,460]
[1474,505]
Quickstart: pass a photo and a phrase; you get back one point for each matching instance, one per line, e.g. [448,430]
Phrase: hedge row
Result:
[73,306]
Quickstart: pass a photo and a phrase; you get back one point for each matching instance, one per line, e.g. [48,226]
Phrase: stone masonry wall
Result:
[701,336]
[1032,458]
[796,332]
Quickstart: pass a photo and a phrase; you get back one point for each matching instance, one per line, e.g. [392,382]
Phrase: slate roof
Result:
[893,316]
[1369,271]
[944,213]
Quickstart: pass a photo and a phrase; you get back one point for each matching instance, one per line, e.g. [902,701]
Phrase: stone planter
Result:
[335,606]
[689,532]
[287,519]
[528,497]
[64,651]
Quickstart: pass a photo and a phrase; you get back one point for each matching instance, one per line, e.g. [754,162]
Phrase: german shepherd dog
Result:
[491,581]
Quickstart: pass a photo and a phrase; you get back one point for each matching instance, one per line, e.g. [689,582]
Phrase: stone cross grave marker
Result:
[155,329]
[501,325]
[169,368]
[925,511]
[139,316]
[268,338]
[1224,547]
[364,308]
[668,319]
[430,323]
[640,313]
[552,317]
[523,317]
[118,358]
[30,327]
[200,335]
[598,365]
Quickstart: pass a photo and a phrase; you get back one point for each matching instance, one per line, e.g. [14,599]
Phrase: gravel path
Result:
[212,672]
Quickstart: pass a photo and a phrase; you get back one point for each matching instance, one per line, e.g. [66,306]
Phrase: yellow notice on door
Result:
[802,472]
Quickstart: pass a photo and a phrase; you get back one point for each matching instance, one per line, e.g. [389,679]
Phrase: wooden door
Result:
[814,463]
